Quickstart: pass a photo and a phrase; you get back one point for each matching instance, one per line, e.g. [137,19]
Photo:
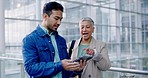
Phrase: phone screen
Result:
[83,58]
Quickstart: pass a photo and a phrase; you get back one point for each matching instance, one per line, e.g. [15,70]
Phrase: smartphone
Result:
[83,58]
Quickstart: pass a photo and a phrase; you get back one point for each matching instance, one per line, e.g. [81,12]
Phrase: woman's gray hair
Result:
[87,19]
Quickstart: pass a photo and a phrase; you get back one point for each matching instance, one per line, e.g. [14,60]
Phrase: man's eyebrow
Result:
[58,17]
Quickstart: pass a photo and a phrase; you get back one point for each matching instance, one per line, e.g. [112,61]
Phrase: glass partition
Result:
[122,24]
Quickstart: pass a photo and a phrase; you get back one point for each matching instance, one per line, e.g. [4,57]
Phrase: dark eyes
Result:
[86,27]
[58,18]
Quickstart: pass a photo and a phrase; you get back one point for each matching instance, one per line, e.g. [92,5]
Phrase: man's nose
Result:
[59,22]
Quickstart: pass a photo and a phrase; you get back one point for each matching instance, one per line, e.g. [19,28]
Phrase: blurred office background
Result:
[122,24]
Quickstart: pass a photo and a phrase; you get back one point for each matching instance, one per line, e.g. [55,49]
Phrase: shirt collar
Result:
[45,30]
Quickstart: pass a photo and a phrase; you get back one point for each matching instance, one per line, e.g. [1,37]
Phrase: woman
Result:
[87,45]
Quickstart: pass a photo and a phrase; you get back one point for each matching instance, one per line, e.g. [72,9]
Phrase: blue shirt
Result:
[56,57]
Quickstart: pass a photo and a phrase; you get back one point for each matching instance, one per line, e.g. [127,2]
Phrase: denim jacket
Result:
[38,54]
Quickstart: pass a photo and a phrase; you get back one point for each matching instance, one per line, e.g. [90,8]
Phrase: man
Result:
[44,50]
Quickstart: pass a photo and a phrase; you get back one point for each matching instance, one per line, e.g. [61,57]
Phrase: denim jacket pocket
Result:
[44,53]
[43,49]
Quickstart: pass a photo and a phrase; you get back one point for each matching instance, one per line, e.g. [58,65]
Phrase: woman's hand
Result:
[89,51]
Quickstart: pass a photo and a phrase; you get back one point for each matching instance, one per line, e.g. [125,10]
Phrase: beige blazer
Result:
[100,61]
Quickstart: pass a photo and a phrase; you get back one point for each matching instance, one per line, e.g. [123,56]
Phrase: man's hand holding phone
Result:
[82,61]
[69,65]
[73,66]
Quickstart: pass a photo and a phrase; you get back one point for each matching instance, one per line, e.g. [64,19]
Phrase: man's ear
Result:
[45,16]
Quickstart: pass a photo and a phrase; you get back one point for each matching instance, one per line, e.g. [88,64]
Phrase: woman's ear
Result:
[93,28]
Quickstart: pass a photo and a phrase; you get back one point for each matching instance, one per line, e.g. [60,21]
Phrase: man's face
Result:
[53,21]
[86,29]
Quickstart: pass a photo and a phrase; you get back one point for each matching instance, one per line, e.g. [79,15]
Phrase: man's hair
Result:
[48,7]
[87,19]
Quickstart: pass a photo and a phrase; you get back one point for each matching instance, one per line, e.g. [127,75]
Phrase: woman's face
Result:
[86,29]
